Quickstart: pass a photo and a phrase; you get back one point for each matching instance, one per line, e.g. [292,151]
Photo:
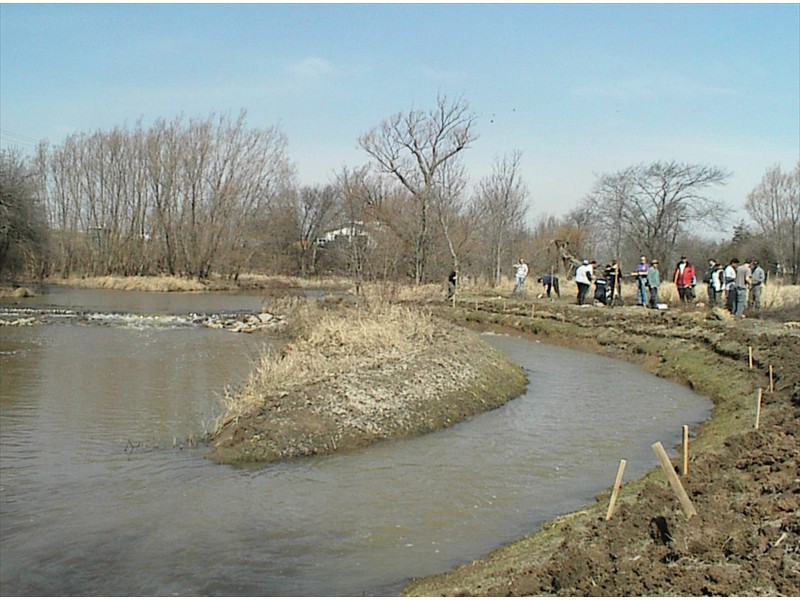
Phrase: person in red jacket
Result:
[685,279]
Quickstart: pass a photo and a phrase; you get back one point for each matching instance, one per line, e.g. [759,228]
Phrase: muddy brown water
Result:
[96,500]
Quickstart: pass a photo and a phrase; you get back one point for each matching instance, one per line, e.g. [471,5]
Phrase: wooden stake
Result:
[758,408]
[674,482]
[750,352]
[533,309]
[685,450]
[771,381]
[615,491]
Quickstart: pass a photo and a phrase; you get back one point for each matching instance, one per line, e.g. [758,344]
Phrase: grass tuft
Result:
[327,343]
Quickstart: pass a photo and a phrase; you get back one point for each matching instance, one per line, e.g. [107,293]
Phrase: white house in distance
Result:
[349,233]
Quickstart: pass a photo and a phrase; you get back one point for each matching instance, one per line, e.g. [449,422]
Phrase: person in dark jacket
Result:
[549,282]
[601,289]
[451,285]
[613,275]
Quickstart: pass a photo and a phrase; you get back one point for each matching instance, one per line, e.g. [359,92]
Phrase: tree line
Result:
[196,197]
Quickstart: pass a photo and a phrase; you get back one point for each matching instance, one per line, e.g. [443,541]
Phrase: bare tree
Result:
[178,197]
[362,195]
[774,205]
[501,202]
[316,208]
[609,202]
[412,147]
[23,226]
[449,202]
[651,205]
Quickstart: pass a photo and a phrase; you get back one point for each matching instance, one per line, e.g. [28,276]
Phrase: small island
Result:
[351,376]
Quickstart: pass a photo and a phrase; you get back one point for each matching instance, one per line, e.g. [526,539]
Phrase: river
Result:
[103,493]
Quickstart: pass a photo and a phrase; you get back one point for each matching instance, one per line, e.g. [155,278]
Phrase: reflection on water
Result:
[95,500]
[145,302]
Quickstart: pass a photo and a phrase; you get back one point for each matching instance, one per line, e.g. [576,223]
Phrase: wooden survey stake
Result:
[615,491]
[674,482]
[758,408]
[685,450]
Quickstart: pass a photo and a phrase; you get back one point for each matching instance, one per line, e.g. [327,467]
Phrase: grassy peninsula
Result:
[351,376]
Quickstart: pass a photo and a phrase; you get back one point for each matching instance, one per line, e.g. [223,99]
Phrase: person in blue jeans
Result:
[653,281]
[743,281]
[641,281]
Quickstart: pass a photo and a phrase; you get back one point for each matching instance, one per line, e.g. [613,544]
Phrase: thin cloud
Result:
[435,74]
[312,68]
[646,88]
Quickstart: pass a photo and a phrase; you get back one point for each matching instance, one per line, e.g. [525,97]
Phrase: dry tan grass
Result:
[163,283]
[288,282]
[781,296]
[393,291]
[329,343]
[775,295]
[168,283]
[18,292]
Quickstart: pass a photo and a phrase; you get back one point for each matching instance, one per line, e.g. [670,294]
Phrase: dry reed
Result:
[160,283]
[327,344]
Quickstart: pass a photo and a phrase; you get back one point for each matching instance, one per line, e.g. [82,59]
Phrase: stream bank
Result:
[743,482]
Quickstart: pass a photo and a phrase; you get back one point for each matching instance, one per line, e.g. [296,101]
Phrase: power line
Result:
[17,138]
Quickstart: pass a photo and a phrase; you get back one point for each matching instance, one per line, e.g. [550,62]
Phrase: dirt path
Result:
[743,482]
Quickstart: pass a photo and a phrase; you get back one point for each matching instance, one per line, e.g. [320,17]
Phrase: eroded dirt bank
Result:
[743,482]
[352,377]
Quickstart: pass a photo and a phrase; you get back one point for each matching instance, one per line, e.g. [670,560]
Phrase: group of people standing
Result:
[741,284]
[648,280]
[608,283]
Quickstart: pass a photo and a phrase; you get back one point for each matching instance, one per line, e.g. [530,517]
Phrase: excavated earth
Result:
[743,482]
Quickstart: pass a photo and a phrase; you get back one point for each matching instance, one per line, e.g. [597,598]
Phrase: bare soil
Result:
[744,483]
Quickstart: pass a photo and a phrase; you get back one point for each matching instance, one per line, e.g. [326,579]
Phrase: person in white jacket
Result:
[715,280]
[583,277]
[520,273]
[730,284]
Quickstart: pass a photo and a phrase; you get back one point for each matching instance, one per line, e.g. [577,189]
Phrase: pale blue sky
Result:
[580,89]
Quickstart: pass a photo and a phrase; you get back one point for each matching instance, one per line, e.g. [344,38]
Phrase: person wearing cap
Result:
[758,278]
[653,281]
[685,279]
[641,281]
[583,277]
